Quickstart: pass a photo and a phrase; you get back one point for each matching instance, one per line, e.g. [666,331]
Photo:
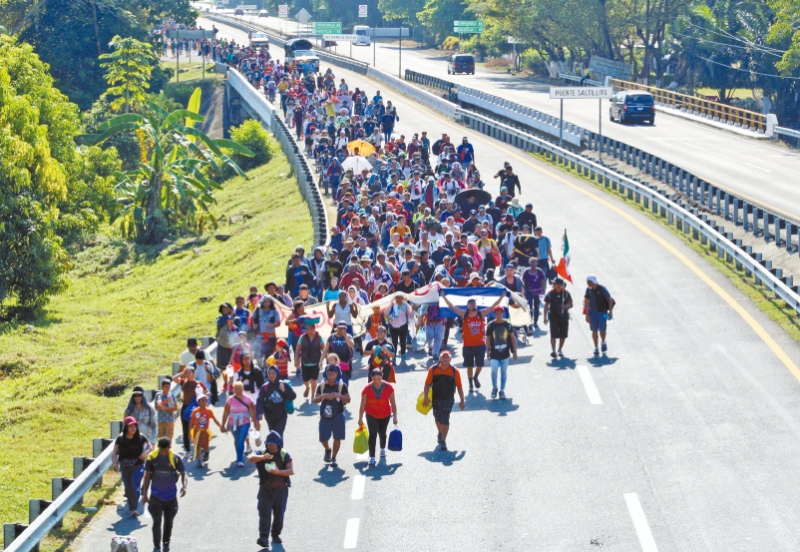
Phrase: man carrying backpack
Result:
[598,305]
[331,397]
[443,381]
[274,469]
[162,470]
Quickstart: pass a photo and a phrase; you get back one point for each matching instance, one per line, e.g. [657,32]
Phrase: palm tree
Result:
[177,175]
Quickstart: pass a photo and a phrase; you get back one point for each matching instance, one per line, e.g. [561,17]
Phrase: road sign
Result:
[303,16]
[250,7]
[581,92]
[468,26]
[340,37]
[512,40]
[327,27]
[609,67]
[192,35]
[283,10]
[362,10]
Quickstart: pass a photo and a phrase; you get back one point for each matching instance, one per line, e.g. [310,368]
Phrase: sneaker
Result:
[249,450]
[263,543]
[403,356]
[165,547]
[502,395]
[477,383]
[561,353]
[156,550]
[333,463]
[199,462]
[554,355]
[239,464]
[529,332]
[328,455]
[383,453]
[276,539]
[494,393]
[604,347]
[443,445]
[371,461]
[596,351]
[134,514]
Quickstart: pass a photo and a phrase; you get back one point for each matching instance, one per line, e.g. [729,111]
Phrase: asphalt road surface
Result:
[757,169]
[683,438]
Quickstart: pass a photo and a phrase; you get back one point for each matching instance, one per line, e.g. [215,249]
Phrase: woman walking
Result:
[400,314]
[272,400]
[377,402]
[144,413]
[130,451]
[239,413]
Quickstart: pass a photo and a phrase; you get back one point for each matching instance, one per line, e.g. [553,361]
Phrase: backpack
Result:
[172,462]
[600,300]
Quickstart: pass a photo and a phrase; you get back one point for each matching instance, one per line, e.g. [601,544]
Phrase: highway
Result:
[757,169]
[684,438]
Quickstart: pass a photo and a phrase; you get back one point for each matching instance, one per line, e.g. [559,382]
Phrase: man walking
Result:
[599,308]
[162,470]
[535,282]
[443,381]
[274,469]
[501,343]
[331,397]
[557,303]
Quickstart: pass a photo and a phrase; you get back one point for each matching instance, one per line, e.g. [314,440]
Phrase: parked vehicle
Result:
[362,36]
[461,63]
[263,13]
[632,105]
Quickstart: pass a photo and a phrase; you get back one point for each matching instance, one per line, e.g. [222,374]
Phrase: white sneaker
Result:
[383,453]
[372,461]
[248,450]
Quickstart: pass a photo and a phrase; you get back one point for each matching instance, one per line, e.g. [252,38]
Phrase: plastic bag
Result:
[424,409]
[421,338]
[361,440]
[395,440]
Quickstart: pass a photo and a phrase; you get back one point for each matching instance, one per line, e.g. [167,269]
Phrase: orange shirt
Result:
[437,370]
[473,330]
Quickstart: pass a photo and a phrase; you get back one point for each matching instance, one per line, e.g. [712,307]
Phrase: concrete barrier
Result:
[423,96]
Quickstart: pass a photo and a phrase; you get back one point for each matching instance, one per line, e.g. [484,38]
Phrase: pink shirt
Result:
[239,413]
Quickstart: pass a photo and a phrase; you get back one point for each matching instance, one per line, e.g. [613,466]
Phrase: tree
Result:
[128,71]
[167,191]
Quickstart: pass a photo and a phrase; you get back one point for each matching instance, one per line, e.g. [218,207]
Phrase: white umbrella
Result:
[356,163]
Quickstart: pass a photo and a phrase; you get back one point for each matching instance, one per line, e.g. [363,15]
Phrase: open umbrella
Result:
[364,148]
[356,163]
[472,198]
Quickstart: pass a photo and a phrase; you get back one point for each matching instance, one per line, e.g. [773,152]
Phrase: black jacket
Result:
[272,402]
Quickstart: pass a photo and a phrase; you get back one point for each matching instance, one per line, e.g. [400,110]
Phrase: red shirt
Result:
[473,330]
[378,408]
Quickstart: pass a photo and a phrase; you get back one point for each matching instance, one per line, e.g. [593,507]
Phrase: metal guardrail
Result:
[658,201]
[580,80]
[432,82]
[783,131]
[756,122]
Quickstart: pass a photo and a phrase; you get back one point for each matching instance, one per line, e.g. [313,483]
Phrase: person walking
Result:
[331,397]
[473,335]
[167,407]
[189,391]
[162,470]
[400,315]
[343,346]
[598,305]
[557,304]
[501,343]
[308,357]
[274,467]
[443,380]
[130,451]
[143,412]
[377,402]
[535,281]
[239,413]
[272,399]
[200,426]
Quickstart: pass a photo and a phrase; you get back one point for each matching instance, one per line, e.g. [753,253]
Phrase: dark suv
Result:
[632,105]
[461,63]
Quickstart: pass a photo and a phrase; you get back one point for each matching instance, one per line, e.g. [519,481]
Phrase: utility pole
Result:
[400,60]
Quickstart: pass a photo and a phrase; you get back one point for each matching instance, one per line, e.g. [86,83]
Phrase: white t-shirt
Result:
[187,357]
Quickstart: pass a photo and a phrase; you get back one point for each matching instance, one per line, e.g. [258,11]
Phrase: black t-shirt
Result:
[328,408]
[332,269]
[406,288]
[557,300]
[500,333]
[131,449]
[269,480]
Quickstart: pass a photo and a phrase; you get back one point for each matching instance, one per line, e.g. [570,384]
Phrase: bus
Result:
[362,35]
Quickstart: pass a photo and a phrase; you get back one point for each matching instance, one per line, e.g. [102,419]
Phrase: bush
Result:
[532,60]
[498,62]
[253,136]
[450,43]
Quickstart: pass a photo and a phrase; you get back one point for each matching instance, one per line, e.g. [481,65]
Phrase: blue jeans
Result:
[132,481]
[239,435]
[534,302]
[501,365]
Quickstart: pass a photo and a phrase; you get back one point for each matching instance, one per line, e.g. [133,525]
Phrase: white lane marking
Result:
[640,523]
[757,167]
[697,147]
[358,487]
[351,533]
[588,384]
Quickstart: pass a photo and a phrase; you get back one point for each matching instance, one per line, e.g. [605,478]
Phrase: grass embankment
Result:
[766,300]
[181,86]
[123,320]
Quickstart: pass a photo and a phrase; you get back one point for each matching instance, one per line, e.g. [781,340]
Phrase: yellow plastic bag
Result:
[361,440]
[424,409]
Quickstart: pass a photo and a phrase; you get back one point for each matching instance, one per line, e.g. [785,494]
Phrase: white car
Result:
[263,13]
[259,40]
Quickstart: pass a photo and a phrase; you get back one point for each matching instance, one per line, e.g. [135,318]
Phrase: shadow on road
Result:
[600,361]
[378,471]
[234,472]
[443,457]
[562,363]
[479,401]
[330,477]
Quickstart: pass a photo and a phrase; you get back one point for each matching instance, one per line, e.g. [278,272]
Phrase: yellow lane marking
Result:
[746,316]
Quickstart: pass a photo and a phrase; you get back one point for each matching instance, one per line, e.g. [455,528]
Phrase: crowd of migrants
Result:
[409,214]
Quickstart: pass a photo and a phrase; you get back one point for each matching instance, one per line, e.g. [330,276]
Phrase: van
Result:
[461,63]
[632,105]
[362,35]
[220,5]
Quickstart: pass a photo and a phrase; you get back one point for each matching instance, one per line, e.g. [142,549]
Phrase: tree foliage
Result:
[254,137]
[128,69]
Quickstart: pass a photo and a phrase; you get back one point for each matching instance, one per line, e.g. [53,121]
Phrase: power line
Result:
[746,70]
[704,40]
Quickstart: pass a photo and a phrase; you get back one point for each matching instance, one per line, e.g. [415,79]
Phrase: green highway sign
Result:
[331,27]
[468,26]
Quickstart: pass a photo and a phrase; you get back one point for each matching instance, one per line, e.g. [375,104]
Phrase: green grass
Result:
[741,93]
[180,91]
[122,321]
[766,300]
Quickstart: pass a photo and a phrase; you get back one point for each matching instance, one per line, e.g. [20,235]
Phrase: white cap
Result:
[591,278]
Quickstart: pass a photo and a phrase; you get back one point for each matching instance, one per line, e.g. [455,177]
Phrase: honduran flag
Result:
[485,297]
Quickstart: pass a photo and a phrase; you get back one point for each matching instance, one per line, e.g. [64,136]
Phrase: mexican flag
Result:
[563,265]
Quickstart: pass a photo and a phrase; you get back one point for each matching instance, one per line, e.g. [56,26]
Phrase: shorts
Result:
[559,327]
[310,372]
[597,322]
[331,426]
[442,409]
[474,355]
